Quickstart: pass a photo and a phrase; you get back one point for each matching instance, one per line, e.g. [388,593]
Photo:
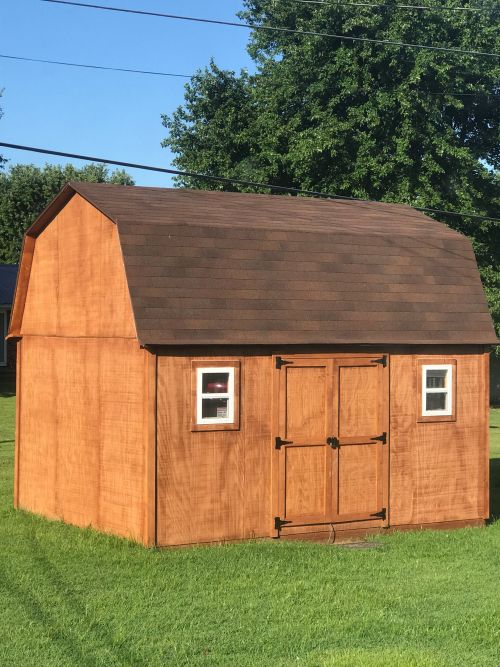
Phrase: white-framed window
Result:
[215,395]
[437,390]
[4,323]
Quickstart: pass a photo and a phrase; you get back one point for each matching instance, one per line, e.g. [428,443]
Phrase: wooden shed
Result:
[202,366]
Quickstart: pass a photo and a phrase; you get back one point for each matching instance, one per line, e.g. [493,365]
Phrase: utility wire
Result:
[439,8]
[237,181]
[189,76]
[113,69]
[164,170]
[308,33]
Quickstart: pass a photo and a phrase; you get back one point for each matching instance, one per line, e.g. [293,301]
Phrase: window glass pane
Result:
[436,379]
[435,401]
[215,383]
[214,408]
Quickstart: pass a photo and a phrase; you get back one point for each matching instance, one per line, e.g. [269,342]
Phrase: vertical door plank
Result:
[305,461]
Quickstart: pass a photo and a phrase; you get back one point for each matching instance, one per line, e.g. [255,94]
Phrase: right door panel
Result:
[362,425]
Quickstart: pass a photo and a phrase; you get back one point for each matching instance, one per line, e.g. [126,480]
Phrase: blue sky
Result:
[108,114]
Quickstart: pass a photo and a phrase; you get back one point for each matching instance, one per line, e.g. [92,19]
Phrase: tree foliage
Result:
[25,190]
[357,118]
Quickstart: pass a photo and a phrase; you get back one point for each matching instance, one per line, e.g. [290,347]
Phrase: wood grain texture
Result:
[304,459]
[359,400]
[77,285]
[150,420]
[484,455]
[213,485]
[17,436]
[82,444]
[305,482]
[22,281]
[438,469]
[359,480]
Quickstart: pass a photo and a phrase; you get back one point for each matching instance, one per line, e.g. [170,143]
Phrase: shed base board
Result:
[357,533]
[346,535]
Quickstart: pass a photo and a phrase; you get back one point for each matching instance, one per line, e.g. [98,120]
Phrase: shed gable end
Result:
[76,284]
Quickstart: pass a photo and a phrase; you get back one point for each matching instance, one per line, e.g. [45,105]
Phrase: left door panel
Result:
[305,423]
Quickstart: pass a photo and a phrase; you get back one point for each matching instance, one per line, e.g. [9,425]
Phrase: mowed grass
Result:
[73,597]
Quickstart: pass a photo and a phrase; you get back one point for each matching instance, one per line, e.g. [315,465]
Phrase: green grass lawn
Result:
[73,597]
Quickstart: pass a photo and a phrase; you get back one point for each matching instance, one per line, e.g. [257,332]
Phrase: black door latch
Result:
[278,442]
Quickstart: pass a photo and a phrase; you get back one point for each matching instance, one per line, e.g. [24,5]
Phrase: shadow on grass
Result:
[67,635]
[494,489]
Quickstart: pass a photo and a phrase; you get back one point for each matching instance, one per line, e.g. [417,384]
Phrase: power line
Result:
[236,181]
[189,76]
[113,69]
[164,170]
[308,33]
[439,8]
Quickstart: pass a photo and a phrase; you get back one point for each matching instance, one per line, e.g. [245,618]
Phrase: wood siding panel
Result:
[306,405]
[77,431]
[305,481]
[359,401]
[213,485]
[40,311]
[82,436]
[77,285]
[359,479]
[123,425]
[37,429]
[438,469]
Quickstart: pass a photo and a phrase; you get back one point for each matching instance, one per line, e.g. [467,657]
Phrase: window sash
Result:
[447,390]
[201,396]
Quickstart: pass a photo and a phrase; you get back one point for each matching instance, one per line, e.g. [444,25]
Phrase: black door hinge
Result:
[380,515]
[278,523]
[381,438]
[382,361]
[281,362]
[278,442]
[333,442]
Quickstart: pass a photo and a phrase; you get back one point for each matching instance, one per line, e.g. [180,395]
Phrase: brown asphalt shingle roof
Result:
[224,268]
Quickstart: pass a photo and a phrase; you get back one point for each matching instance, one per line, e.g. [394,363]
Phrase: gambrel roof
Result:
[209,267]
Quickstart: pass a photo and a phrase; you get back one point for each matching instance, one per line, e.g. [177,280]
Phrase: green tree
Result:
[358,118]
[25,190]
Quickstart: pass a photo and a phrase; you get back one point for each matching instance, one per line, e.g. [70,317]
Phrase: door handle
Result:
[333,442]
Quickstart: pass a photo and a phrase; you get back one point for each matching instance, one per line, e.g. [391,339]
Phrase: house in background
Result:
[495,380]
[201,366]
[8,275]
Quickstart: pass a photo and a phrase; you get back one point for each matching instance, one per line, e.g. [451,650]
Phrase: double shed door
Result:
[332,440]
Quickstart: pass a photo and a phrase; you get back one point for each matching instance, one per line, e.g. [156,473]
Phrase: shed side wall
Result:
[81,451]
[83,418]
[439,470]
[213,485]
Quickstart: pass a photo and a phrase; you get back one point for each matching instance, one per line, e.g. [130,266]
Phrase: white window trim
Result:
[229,395]
[3,334]
[448,390]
